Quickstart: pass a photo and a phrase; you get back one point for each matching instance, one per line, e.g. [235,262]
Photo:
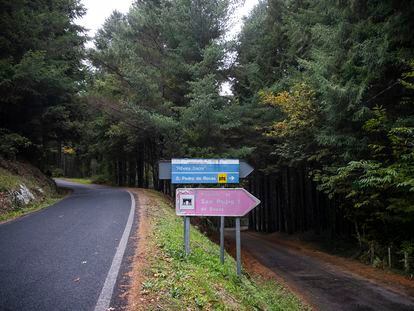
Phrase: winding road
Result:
[67,256]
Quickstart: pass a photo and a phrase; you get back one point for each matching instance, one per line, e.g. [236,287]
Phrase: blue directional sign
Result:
[205,171]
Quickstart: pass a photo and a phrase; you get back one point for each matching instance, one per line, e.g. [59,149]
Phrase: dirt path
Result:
[323,284]
[135,299]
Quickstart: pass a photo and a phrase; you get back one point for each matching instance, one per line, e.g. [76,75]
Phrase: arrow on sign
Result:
[232,202]
[245,169]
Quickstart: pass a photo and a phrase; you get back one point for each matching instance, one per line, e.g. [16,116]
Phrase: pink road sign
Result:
[234,202]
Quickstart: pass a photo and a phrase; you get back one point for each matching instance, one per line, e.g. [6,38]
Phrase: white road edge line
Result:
[106,294]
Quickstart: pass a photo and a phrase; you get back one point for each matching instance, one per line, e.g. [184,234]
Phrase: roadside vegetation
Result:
[83,181]
[173,281]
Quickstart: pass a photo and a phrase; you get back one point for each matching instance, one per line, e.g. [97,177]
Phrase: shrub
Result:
[100,179]
[57,172]
[12,143]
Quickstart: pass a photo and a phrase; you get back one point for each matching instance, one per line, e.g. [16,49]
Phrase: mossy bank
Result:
[24,188]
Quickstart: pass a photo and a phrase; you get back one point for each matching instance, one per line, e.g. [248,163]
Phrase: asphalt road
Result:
[59,258]
[324,285]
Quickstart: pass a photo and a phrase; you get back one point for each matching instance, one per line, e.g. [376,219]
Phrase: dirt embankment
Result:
[22,185]
[135,298]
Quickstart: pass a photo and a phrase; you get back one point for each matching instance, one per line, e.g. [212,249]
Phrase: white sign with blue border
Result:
[205,171]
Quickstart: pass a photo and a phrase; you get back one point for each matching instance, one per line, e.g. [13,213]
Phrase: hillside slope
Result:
[23,188]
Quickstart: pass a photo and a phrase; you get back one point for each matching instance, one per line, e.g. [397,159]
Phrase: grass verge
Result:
[83,181]
[173,281]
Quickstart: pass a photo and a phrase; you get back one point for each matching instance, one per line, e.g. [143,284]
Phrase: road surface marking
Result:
[106,294]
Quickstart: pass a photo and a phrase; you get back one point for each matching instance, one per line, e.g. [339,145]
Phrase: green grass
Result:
[200,281]
[84,181]
[29,208]
[7,180]
[10,181]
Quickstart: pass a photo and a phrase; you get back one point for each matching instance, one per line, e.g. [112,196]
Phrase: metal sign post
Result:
[187,235]
[222,239]
[238,246]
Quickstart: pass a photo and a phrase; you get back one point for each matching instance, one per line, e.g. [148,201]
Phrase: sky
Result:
[98,11]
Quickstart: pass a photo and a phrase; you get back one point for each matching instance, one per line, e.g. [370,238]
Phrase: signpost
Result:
[230,202]
[164,169]
[204,171]
[222,239]
[233,202]
[221,202]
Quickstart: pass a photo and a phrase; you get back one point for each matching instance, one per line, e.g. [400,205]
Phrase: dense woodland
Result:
[321,103]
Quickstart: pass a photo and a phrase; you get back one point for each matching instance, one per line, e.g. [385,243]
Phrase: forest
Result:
[318,95]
